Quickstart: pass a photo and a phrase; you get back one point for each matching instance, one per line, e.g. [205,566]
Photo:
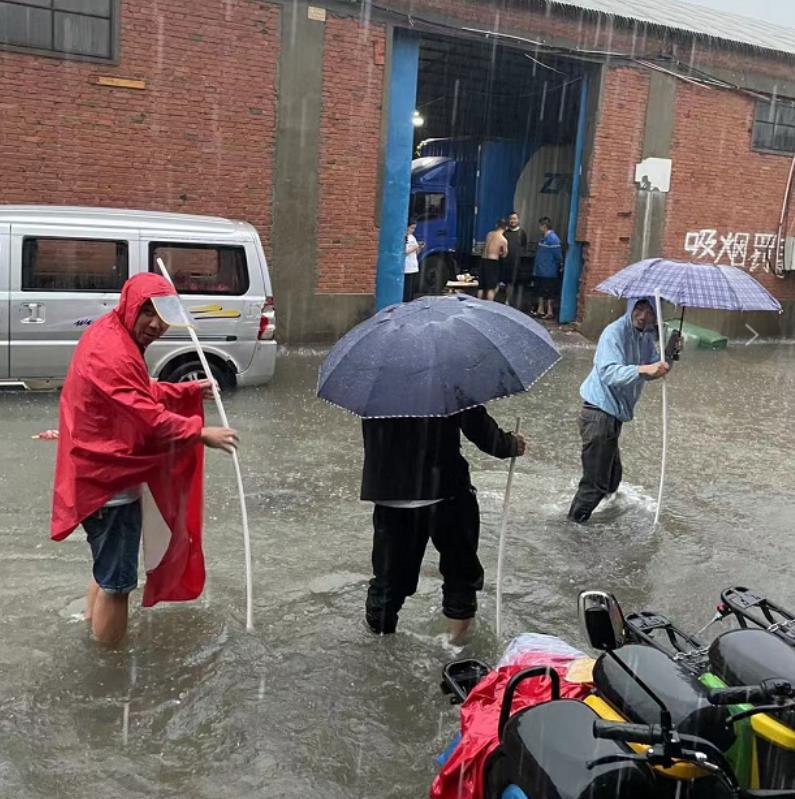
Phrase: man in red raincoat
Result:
[130,456]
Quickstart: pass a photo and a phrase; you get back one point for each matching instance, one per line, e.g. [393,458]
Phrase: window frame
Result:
[756,119]
[27,237]
[115,39]
[153,244]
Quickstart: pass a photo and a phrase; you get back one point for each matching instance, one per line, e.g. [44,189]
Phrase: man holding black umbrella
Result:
[418,479]
[418,374]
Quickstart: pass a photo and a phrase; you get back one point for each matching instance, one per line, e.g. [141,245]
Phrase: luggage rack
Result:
[749,607]
[460,676]
[654,629]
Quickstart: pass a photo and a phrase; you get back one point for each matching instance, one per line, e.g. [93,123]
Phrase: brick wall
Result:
[606,218]
[720,184]
[198,138]
[350,137]
[718,181]
[588,31]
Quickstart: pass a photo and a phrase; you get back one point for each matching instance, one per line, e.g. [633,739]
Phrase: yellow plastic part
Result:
[755,767]
[773,730]
[679,771]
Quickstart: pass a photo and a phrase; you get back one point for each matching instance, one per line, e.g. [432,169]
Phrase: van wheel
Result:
[193,370]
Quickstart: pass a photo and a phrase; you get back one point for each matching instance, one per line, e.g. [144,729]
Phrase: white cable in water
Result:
[225,422]
[503,526]
[661,331]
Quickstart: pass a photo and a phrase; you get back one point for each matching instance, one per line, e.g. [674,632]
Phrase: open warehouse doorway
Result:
[496,129]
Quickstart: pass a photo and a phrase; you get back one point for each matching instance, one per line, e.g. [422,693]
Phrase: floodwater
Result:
[310,703]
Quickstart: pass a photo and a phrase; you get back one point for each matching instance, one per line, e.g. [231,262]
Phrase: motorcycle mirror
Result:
[602,620]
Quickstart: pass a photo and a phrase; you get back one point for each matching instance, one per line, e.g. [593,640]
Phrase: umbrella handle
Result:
[503,526]
[661,331]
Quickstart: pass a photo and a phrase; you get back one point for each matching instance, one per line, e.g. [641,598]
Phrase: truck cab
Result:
[434,208]
[459,188]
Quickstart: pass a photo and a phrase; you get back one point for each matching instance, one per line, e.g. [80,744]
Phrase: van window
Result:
[55,264]
[202,268]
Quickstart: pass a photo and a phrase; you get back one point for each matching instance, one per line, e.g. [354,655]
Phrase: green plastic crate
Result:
[701,338]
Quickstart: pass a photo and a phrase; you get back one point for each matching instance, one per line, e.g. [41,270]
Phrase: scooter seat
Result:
[547,748]
[682,694]
[747,657]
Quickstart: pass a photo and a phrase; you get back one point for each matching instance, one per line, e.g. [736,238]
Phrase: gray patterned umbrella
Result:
[691,285]
[688,285]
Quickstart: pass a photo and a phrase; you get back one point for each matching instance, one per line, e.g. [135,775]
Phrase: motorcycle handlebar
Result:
[628,733]
[768,691]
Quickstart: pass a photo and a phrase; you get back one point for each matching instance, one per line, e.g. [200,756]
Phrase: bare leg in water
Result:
[108,614]
[458,629]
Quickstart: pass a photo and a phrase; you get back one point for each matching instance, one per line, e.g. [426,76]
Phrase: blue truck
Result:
[460,187]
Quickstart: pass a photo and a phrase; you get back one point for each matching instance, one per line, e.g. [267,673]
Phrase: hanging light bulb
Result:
[417,119]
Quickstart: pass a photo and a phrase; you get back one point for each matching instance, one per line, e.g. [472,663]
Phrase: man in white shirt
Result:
[411,267]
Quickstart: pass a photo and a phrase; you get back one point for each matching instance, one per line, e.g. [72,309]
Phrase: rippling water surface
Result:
[311,704]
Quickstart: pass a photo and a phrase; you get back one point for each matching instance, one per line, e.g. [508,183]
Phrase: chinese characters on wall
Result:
[752,251]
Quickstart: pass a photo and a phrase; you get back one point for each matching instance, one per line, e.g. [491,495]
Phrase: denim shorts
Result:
[114,535]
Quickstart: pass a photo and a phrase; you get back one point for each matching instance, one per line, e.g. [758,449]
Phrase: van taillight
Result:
[267,320]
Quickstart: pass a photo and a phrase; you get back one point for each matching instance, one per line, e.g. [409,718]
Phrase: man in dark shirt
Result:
[418,479]
[517,247]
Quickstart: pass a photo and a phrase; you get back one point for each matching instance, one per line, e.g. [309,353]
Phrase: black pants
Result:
[411,282]
[601,461]
[399,541]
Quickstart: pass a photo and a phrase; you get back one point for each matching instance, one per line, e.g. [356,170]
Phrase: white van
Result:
[63,267]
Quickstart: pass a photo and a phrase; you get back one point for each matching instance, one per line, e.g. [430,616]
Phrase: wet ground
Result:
[311,704]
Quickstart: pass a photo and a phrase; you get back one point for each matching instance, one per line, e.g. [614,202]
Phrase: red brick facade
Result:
[718,181]
[720,184]
[606,218]
[199,138]
[350,138]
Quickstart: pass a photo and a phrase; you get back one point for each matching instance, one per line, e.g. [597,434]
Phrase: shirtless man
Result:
[496,247]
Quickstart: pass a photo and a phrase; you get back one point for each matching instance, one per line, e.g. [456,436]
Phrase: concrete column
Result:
[295,176]
[650,206]
[302,315]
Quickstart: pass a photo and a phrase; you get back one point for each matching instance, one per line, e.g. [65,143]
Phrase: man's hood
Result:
[631,303]
[136,291]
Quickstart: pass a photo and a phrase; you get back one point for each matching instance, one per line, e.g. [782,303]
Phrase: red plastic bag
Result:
[461,777]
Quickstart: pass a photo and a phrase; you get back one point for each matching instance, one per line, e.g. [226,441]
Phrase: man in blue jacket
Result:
[626,357]
[546,269]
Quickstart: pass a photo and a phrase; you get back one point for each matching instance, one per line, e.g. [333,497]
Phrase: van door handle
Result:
[441,233]
[36,313]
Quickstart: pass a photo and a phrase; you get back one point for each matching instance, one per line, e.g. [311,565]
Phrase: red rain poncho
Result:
[120,429]
[461,777]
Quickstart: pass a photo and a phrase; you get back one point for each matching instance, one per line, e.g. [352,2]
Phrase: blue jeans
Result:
[114,535]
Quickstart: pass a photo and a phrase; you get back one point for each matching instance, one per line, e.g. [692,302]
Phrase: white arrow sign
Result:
[751,340]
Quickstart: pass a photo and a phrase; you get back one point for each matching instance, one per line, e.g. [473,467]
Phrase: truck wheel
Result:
[435,274]
[193,370]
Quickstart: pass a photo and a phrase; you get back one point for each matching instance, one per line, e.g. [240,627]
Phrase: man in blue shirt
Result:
[626,357]
[546,269]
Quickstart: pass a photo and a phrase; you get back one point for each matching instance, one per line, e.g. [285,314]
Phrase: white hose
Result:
[225,422]
[661,331]
[503,525]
